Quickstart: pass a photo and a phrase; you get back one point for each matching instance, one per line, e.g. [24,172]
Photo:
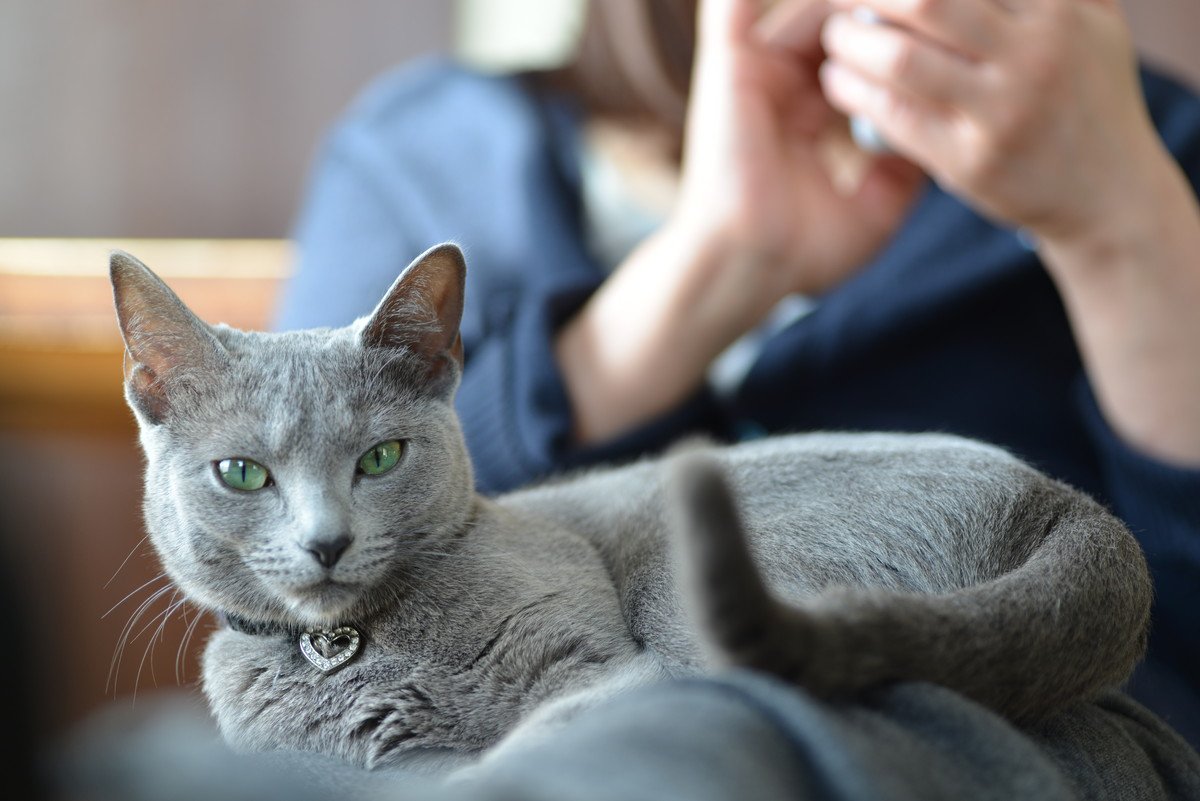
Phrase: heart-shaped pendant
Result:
[329,649]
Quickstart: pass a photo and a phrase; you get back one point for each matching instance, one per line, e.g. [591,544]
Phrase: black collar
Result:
[259,627]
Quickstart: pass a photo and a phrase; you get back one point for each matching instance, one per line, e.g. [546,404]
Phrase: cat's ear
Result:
[167,346]
[421,313]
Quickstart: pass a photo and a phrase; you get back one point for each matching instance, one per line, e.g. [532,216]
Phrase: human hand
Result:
[1028,109]
[755,184]
[758,217]
[1031,110]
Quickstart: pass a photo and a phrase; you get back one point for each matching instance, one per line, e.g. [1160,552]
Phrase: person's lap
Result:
[738,736]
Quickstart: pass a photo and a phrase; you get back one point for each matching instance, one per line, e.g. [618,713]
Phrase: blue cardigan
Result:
[955,327]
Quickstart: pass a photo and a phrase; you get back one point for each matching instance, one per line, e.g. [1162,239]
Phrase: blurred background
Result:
[183,130]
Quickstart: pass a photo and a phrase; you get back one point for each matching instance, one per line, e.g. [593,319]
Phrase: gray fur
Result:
[838,561]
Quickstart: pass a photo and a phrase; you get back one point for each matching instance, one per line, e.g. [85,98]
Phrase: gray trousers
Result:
[740,736]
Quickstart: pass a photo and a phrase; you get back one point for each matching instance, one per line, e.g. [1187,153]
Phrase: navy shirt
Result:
[955,327]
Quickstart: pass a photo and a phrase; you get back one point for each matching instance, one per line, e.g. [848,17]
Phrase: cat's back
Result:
[823,476]
[914,513]
[816,457]
[924,512]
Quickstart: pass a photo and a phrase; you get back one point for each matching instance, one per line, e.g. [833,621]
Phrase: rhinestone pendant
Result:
[330,649]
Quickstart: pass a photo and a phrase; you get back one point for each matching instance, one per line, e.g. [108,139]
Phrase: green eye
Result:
[243,474]
[382,458]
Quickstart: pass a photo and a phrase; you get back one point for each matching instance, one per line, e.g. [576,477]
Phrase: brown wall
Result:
[185,117]
[71,536]
[71,515]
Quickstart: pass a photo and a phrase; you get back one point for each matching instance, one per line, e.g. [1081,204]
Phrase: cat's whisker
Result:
[188,625]
[433,554]
[187,641]
[171,605]
[125,561]
[133,593]
[162,618]
[161,633]
[123,638]
[137,679]
[142,608]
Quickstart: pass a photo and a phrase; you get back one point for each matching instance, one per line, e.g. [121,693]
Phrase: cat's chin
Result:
[326,603]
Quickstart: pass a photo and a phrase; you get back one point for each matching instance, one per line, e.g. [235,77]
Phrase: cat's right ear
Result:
[167,346]
[421,314]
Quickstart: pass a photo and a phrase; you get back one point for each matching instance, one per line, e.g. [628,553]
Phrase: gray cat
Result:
[313,488]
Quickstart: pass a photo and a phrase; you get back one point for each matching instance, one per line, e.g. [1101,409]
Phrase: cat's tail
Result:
[1068,621]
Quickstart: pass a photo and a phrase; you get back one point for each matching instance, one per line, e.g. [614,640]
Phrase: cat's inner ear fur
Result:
[167,346]
[422,311]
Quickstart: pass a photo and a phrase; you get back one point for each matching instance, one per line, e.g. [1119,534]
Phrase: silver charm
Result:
[330,649]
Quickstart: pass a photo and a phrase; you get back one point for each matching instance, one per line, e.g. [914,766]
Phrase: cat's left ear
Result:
[170,348]
[422,311]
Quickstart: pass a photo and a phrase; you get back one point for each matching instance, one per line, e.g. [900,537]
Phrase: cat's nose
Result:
[328,551]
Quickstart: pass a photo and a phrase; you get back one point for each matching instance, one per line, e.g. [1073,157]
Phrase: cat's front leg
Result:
[259,696]
[267,697]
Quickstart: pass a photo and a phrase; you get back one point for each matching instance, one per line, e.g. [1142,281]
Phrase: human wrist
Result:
[1131,294]
[722,286]
[643,342]
[1143,211]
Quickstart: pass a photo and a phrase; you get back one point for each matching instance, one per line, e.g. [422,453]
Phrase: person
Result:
[672,235]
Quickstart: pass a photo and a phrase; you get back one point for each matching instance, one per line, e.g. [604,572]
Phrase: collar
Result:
[327,650]
[264,628]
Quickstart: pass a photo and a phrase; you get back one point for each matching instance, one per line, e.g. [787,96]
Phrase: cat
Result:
[314,489]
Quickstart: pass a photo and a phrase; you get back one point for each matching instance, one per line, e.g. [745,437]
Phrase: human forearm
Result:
[644,341]
[1132,290]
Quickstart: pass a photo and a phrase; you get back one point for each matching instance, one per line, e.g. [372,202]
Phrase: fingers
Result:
[794,26]
[972,29]
[728,21]
[914,126]
[890,56]
[925,77]
[913,90]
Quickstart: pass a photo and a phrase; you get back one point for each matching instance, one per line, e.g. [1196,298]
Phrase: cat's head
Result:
[293,477]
